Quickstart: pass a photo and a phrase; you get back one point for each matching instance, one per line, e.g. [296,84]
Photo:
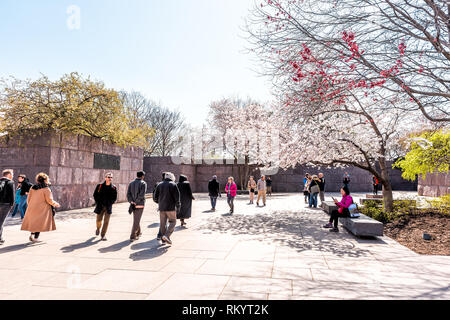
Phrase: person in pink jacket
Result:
[231,190]
[342,212]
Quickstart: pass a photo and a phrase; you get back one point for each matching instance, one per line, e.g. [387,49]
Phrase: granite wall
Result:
[290,180]
[69,161]
[434,185]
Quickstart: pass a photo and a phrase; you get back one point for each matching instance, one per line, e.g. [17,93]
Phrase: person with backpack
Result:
[41,209]
[231,190]
[6,198]
[375,183]
[136,197]
[105,195]
[167,196]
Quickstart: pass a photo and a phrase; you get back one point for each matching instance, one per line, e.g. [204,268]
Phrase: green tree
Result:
[72,103]
[428,153]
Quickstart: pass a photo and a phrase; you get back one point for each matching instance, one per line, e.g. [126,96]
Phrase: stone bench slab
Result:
[363,226]
[374,196]
[329,206]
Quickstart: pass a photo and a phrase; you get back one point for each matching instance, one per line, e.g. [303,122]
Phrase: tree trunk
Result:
[388,199]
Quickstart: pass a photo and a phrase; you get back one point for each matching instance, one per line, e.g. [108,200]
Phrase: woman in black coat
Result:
[186,198]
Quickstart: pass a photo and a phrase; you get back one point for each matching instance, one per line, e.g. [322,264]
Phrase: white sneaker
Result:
[166,240]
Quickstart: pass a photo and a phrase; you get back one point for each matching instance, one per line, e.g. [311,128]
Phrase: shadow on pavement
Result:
[152,249]
[16,247]
[300,231]
[115,247]
[153,225]
[82,245]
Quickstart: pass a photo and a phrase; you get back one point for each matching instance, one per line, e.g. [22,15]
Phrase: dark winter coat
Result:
[105,196]
[322,184]
[167,196]
[26,186]
[8,193]
[186,198]
[214,188]
[136,192]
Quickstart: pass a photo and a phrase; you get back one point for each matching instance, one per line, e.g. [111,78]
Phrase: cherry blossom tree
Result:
[243,131]
[339,106]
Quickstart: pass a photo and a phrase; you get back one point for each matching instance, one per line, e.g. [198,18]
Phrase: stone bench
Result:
[363,226]
[329,206]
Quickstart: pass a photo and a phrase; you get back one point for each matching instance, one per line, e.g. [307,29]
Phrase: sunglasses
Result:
[109,177]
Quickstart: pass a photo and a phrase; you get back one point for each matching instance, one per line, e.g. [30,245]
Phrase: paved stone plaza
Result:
[279,252]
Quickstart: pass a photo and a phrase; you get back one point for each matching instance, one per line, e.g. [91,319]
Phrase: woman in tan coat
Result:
[39,216]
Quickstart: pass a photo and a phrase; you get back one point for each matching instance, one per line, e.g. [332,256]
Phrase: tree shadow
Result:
[88,243]
[115,247]
[300,231]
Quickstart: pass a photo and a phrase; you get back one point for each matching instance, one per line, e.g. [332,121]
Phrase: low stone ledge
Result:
[363,226]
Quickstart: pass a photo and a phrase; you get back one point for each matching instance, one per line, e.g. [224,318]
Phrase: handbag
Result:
[315,189]
[53,210]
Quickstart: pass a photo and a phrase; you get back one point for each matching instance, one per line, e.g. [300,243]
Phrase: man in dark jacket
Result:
[322,188]
[7,195]
[214,192]
[167,196]
[105,195]
[24,190]
[136,197]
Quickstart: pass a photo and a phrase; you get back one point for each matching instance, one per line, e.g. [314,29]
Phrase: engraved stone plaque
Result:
[106,161]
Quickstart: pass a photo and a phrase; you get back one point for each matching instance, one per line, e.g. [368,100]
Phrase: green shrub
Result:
[441,205]
[376,211]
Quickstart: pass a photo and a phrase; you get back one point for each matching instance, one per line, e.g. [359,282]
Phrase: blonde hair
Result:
[42,178]
[232,179]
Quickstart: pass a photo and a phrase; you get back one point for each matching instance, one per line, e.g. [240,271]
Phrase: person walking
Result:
[25,189]
[306,181]
[40,215]
[186,198]
[262,189]
[314,190]
[105,195]
[346,179]
[16,202]
[375,183]
[322,188]
[342,212]
[214,192]
[269,186]
[251,187]
[167,196]
[136,197]
[231,190]
[6,198]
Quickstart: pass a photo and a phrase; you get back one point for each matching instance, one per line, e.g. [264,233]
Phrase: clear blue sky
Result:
[184,53]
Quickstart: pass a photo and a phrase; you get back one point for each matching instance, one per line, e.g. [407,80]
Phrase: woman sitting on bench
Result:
[343,211]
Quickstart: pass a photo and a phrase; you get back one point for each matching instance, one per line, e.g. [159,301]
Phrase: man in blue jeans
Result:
[24,190]
[214,192]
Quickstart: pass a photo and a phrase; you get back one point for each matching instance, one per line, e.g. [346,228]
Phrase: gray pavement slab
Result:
[279,252]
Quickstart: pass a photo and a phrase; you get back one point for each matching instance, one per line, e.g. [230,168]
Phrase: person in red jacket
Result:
[375,185]
[231,190]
